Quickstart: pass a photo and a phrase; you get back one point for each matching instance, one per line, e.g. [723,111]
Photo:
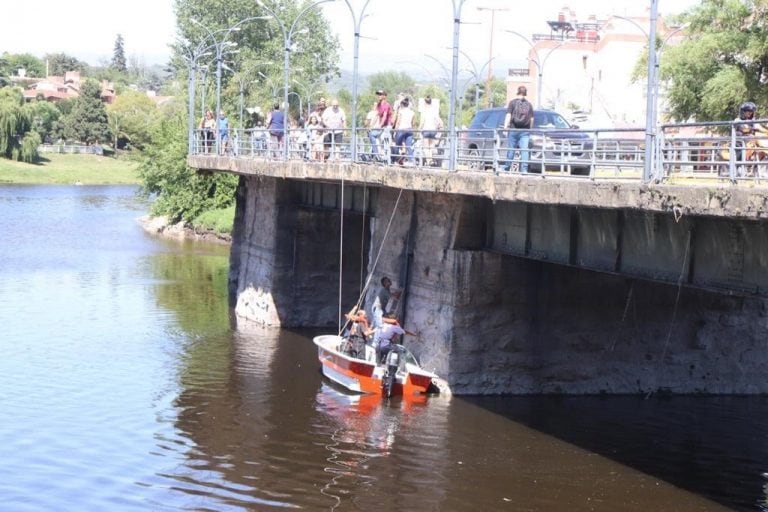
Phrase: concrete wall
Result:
[490,322]
[553,329]
[284,264]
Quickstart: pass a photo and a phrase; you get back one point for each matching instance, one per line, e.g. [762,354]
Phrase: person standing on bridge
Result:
[276,127]
[334,121]
[518,121]
[223,124]
[385,114]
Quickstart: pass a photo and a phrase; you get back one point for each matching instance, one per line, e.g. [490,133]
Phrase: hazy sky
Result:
[397,33]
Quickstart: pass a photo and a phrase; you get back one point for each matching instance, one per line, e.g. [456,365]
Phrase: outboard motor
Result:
[392,363]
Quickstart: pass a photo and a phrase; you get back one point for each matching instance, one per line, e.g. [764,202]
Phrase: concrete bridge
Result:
[516,284]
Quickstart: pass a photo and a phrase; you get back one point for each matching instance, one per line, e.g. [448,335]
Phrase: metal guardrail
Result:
[707,150]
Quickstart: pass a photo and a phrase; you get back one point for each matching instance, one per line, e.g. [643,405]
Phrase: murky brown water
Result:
[126,386]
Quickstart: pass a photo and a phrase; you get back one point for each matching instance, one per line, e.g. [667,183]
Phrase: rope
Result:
[341,248]
[623,316]
[677,299]
[375,261]
[362,236]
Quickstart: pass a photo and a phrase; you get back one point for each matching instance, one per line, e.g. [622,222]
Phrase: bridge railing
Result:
[717,150]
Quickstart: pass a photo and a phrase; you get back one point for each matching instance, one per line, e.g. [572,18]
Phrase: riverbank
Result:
[160,226]
[55,169]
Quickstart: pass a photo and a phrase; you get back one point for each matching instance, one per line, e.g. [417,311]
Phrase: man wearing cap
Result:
[384,110]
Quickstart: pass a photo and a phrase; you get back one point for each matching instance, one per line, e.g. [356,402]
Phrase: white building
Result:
[588,66]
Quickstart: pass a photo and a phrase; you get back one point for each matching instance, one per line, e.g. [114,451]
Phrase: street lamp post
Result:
[222,46]
[656,76]
[287,35]
[493,11]
[457,5]
[650,102]
[476,75]
[539,63]
[358,21]
[203,72]
[192,56]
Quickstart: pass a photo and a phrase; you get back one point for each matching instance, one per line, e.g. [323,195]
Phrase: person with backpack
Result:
[519,118]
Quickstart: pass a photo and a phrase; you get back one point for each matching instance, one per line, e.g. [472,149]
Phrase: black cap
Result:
[381,92]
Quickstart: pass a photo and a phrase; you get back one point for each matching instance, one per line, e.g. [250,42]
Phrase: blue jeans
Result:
[405,137]
[373,138]
[517,139]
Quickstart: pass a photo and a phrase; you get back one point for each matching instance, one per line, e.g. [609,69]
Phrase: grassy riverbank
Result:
[69,169]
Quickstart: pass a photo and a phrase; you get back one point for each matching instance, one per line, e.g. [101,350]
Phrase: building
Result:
[57,88]
[588,66]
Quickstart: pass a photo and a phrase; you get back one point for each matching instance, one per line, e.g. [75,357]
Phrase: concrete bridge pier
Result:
[284,261]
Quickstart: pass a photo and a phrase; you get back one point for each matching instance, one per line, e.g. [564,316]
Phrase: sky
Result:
[409,35]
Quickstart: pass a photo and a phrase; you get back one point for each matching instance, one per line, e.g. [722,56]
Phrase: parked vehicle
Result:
[554,143]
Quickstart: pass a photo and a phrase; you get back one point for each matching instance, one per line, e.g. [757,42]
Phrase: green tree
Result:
[4,71]
[182,194]
[393,82]
[132,117]
[118,55]
[60,63]
[723,61]
[87,121]
[260,42]
[14,126]
[33,66]
[43,116]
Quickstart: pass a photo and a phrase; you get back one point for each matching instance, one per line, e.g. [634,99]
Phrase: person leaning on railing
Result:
[430,126]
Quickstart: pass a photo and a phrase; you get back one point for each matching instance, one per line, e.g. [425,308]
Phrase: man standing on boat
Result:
[385,301]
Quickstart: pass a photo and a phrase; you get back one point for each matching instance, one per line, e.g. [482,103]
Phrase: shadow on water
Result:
[712,446]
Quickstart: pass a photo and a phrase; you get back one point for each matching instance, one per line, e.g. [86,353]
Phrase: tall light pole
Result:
[539,63]
[656,76]
[191,56]
[358,21]
[650,133]
[493,11]
[287,35]
[221,46]
[476,75]
[457,5]
[203,72]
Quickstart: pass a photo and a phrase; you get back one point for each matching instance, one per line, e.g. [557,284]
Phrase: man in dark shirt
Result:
[519,118]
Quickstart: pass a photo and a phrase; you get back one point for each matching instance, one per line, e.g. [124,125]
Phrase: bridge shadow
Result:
[713,446]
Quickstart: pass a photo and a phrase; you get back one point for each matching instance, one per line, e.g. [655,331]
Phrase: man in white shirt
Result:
[334,121]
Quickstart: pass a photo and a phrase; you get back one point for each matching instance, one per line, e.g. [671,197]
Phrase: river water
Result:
[127,385]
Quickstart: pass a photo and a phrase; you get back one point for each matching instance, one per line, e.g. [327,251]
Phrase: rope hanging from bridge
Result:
[375,261]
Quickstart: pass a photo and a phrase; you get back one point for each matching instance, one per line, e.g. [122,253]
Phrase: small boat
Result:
[400,374]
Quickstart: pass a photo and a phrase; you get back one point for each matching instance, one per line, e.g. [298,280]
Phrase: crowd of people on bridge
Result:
[392,131]
[322,133]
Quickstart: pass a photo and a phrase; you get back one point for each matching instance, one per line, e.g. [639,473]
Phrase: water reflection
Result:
[366,427]
[127,385]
